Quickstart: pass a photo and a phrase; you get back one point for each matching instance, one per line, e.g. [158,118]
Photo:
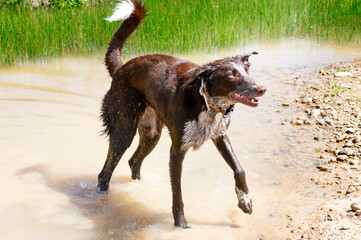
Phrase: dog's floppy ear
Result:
[202,73]
[244,59]
[191,87]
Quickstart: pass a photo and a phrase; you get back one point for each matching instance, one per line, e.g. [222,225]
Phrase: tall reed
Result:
[174,26]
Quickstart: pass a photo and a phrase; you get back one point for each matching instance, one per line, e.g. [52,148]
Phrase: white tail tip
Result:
[122,11]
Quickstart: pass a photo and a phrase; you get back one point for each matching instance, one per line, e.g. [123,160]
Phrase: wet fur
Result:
[196,132]
[151,91]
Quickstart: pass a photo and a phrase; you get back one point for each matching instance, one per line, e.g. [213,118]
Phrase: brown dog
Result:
[194,102]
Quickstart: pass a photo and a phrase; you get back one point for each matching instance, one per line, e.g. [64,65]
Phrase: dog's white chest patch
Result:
[207,126]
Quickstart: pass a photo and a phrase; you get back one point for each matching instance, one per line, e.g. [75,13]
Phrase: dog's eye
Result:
[231,76]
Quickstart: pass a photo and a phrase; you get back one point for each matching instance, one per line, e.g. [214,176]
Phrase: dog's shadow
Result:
[115,214]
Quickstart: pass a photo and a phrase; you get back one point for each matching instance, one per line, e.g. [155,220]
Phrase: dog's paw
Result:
[102,188]
[246,206]
[135,169]
[135,175]
[181,224]
[244,201]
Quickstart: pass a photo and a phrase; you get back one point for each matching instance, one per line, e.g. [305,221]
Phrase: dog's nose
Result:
[261,90]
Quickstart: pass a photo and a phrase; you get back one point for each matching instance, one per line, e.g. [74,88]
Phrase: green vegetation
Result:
[335,88]
[172,26]
[47,3]
[9,3]
[68,3]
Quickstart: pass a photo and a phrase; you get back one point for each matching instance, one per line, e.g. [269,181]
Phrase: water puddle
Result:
[51,152]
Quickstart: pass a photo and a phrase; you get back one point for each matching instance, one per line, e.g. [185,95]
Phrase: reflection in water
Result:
[110,212]
[51,153]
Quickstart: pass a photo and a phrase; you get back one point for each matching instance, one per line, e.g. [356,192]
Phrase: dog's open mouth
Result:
[253,102]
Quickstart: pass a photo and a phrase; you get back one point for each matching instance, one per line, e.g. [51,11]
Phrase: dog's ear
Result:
[202,73]
[244,59]
[191,87]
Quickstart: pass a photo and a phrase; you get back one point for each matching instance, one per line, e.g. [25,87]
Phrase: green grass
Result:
[335,88]
[174,26]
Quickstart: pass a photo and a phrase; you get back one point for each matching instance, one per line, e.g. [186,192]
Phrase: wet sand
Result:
[51,152]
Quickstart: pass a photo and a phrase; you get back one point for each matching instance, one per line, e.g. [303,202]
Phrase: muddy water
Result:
[51,153]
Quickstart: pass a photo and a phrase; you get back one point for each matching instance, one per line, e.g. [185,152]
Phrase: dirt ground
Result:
[330,101]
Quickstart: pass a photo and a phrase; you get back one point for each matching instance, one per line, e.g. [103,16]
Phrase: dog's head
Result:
[229,79]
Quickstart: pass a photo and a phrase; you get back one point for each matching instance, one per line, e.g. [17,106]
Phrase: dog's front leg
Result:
[175,169]
[225,148]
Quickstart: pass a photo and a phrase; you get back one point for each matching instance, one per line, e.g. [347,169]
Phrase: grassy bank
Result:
[174,26]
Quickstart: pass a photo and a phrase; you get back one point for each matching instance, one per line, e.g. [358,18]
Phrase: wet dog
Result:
[194,102]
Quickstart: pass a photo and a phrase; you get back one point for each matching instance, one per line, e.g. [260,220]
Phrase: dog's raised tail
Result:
[132,12]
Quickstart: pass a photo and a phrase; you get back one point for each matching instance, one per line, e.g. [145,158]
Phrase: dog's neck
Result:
[219,104]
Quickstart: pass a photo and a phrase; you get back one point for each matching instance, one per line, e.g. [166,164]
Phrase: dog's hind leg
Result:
[123,121]
[119,141]
[149,129]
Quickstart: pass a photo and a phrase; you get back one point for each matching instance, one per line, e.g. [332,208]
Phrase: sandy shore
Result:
[331,102]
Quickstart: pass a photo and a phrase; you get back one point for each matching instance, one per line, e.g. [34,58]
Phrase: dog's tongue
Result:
[246,100]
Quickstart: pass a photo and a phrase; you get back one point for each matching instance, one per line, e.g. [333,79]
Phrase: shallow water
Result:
[51,152]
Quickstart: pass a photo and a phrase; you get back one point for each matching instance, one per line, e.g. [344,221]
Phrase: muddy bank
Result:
[329,102]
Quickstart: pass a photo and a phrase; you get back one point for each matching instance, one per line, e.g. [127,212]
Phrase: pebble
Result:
[349,144]
[315,112]
[297,122]
[347,151]
[355,207]
[342,158]
[330,150]
[341,138]
[323,168]
[342,74]
[350,130]
[353,162]
[308,122]
[333,113]
[306,100]
[285,104]
[328,120]
[345,227]
[358,213]
[320,121]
